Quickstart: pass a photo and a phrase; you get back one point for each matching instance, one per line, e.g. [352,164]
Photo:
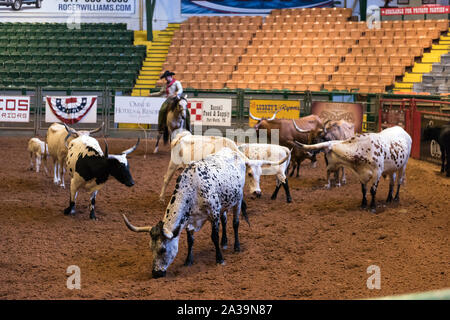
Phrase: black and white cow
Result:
[370,156]
[442,136]
[89,169]
[206,190]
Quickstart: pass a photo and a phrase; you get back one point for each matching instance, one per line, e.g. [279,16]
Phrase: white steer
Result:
[271,152]
[39,150]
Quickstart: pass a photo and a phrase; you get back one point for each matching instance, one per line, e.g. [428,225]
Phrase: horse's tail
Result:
[166,135]
[188,120]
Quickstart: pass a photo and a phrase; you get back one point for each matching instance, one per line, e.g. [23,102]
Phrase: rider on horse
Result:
[171,89]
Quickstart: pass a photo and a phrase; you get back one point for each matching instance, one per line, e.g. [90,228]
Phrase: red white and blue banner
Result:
[246,6]
[14,109]
[70,110]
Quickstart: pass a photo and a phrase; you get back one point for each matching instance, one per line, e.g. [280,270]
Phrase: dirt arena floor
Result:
[318,247]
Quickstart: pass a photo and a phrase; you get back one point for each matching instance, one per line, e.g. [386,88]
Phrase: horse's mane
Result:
[173,101]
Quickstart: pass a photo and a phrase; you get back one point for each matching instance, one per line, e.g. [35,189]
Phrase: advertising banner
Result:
[429,149]
[264,109]
[14,109]
[350,112]
[210,112]
[392,117]
[427,9]
[68,7]
[142,110]
[246,6]
[71,110]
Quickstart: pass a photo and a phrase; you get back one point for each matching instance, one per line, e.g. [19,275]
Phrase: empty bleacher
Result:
[438,80]
[96,56]
[382,54]
[206,50]
[298,49]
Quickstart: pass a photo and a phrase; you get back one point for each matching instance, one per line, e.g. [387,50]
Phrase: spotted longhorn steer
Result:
[39,150]
[272,152]
[371,156]
[337,130]
[206,190]
[186,147]
[89,169]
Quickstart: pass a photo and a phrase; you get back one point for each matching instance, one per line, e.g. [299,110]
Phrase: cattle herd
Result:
[216,169]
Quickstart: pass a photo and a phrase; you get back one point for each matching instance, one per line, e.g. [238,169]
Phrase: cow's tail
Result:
[244,211]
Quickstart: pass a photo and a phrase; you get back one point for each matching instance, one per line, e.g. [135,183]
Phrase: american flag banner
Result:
[71,109]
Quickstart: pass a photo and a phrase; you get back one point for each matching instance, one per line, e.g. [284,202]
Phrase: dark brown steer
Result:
[307,129]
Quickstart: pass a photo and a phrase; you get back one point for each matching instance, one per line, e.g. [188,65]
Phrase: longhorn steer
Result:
[38,149]
[57,149]
[90,169]
[371,156]
[187,147]
[206,190]
[337,130]
[271,152]
[442,136]
[305,130]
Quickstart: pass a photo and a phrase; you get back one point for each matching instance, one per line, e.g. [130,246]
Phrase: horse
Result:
[176,118]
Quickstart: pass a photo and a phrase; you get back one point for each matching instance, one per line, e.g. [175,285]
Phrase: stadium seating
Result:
[298,49]
[206,50]
[96,56]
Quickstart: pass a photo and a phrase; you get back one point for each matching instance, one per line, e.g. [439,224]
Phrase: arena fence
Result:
[374,106]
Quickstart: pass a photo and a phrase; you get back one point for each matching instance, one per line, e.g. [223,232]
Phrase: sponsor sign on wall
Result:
[430,150]
[14,109]
[70,110]
[264,109]
[246,7]
[210,112]
[143,110]
[84,7]
[426,9]
[350,112]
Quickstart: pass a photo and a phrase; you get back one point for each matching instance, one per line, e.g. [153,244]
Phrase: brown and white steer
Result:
[57,148]
[370,156]
[306,130]
[38,149]
[337,130]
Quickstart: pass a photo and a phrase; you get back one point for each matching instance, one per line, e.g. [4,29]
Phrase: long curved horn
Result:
[65,140]
[298,129]
[128,151]
[275,163]
[71,130]
[98,129]
[133,228]
[253,117]
[273,116]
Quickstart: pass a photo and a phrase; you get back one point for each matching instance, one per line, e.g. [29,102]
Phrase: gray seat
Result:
[428,78]
[438,68]
[445,59]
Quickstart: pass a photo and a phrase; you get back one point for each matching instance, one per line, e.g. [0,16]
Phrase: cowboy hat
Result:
[167,73]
